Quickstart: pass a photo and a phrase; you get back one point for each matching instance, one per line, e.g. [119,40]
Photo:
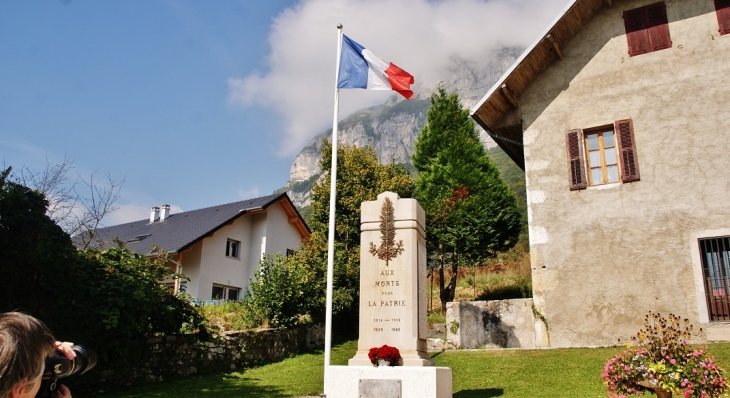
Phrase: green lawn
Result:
[574,372]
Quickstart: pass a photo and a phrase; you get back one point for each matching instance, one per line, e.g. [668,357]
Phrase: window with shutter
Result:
[627,150]
[635,25]
[647,29]
[573,143]
[657,26]
[715,259]
[605,154]
[722,9]
[601,158]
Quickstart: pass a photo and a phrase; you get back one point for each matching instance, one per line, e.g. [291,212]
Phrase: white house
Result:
[218,247]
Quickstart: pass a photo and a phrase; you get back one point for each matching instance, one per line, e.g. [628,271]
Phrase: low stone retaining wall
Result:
[491,324]
[178,356]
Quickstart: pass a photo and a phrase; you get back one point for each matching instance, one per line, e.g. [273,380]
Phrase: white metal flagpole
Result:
[331,238]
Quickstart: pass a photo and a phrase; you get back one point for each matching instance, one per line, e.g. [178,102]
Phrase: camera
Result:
[58,367]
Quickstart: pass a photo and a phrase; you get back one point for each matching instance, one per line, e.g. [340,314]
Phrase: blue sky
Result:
[201,103]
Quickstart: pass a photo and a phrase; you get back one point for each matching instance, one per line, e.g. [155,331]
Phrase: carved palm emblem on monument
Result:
[388,248]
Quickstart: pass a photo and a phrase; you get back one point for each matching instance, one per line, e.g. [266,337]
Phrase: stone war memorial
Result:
[392,307]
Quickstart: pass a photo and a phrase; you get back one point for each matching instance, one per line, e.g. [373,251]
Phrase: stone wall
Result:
[491,324]
[179,356]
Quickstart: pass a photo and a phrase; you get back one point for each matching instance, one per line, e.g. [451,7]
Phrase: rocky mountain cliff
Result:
[392,128]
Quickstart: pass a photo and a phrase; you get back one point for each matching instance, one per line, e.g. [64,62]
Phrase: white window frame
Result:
[230,244]
[226,290]
[601,150]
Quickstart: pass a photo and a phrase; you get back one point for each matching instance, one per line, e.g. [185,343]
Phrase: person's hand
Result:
[66,349]
[63,392]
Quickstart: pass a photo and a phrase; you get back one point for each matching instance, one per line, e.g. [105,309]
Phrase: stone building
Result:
[618,115]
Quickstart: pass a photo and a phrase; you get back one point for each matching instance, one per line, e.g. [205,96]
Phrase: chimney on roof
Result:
[165,212]
[154,214]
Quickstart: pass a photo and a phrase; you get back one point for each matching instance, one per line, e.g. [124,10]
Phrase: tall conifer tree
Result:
[470,212]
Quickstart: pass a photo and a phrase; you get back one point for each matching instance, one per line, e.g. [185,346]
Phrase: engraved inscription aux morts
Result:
[392,282]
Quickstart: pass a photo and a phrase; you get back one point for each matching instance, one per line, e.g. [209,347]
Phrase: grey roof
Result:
[181,230]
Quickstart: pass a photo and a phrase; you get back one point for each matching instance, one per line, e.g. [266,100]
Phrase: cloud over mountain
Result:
[423,37]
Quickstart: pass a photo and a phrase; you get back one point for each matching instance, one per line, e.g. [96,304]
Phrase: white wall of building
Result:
[283,236]
[206,262]
[216,267]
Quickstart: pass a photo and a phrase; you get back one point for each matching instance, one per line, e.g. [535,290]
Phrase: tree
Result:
[360,178]
[470,212]
[283,293]
[78,205]
[105,299]
[291,290]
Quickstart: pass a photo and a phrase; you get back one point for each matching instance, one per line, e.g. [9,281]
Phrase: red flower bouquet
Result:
[386,353]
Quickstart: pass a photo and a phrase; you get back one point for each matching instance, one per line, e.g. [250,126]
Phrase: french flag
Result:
[360,68]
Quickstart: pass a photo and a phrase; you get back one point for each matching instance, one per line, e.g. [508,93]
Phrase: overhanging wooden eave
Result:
[294,218]
[505,95]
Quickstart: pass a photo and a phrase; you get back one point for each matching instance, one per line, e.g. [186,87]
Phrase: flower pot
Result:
[383,362]
[660,393]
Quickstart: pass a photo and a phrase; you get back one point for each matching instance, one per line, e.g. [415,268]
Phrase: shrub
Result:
[108,300]
[662,359]
[436,317]
[127,298]
[225,316]
[282,294]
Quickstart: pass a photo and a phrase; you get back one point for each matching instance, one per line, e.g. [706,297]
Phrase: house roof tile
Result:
[181,230]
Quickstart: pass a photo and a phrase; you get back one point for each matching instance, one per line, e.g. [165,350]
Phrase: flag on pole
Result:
[360,68]
[357,67]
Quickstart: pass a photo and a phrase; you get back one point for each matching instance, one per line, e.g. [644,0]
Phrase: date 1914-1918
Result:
[384,320]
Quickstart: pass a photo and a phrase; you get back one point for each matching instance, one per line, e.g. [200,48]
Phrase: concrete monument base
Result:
[414,381]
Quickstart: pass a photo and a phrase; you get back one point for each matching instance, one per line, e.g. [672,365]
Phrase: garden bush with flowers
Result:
[661,359]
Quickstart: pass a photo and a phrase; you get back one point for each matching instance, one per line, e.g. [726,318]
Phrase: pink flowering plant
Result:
[662,360]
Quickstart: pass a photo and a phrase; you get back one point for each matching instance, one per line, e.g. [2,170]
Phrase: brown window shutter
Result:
[627,150]
[722,8]
[636,35]
[657,26]
[576,168]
